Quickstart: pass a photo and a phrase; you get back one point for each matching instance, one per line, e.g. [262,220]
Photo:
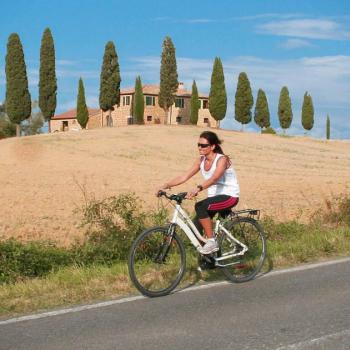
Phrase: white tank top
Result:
[227,184]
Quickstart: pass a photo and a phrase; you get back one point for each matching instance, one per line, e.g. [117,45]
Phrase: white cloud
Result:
[306,28]
[291,44]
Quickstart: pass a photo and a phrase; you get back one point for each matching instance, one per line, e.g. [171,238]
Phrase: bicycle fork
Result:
[165,246]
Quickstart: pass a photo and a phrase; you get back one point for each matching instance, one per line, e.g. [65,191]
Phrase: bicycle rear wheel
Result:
[157,261]
[242,268]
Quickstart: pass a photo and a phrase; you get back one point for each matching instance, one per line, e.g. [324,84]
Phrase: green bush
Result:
[34,259]
[113,223]
[268,130]
[7,129]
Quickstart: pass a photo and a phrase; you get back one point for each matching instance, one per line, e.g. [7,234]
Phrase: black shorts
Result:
[208,207]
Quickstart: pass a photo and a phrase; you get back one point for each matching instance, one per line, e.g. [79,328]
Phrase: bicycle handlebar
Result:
[173,197]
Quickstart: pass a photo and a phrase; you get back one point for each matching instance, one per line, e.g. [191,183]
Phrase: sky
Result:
[304,45]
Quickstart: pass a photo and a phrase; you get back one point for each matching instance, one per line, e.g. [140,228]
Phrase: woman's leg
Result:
[207,225]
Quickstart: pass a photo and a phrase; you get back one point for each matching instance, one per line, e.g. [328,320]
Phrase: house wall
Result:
[156,112]
[94,121]
[119,115]
[57,125]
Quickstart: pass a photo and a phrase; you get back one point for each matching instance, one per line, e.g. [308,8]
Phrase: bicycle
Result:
[157,258]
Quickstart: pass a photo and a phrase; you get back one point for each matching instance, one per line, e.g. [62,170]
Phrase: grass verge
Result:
[327,236]
[78,284]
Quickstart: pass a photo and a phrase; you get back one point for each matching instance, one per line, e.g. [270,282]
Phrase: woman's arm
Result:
[178,180]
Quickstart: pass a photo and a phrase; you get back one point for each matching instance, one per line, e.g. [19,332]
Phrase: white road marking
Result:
[129,299]
[317,342]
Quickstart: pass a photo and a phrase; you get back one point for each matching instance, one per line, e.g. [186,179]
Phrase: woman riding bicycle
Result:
[219,179]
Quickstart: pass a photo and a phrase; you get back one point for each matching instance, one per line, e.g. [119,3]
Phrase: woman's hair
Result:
[213,139]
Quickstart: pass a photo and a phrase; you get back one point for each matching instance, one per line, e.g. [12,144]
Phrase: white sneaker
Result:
[210,247]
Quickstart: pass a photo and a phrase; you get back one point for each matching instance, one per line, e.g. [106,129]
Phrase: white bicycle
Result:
[157,258]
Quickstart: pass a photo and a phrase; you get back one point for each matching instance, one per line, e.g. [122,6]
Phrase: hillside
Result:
[42,176]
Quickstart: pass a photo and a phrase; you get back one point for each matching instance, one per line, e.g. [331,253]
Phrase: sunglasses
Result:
[203,145]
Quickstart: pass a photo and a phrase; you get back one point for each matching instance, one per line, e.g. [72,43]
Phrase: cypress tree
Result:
[195,104]
[262,113]
[82,110]
[285,113]
[109,80]
[18,101]
[168,77]
[328,128]
[47,77]
[217,95]
[243,100]
[307,113]
[138,102]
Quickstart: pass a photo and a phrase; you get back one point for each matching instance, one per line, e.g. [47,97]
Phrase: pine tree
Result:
[217,95]
[168,77]
[82,110]
[109,81]
[195,104]
[47,77]
[18,101]
[138,102]
[328,128]
[262,113]
[307,114]
[285,113]
[243,100]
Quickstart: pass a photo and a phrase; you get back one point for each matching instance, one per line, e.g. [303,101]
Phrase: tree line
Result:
[19,107]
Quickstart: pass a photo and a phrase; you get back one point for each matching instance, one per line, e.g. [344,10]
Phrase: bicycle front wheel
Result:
[157,261]
[242,268]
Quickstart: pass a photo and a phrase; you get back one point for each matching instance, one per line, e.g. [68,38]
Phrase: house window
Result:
[149,118]
[179,102]
[150,101]
[206,120]
[178,119]
[205,104]
[126,100]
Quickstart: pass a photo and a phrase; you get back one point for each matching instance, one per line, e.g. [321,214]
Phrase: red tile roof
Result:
[72,114]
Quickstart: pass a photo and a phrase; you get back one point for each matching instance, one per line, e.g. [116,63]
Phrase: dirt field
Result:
[41,176]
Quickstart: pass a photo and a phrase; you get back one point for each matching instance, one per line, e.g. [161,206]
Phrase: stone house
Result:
[68,120]
[179,112]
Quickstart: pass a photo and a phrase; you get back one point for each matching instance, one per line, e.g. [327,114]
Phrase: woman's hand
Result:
[162,188]
[193,193]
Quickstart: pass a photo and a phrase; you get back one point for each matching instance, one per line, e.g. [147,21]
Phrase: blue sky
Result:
[304,45]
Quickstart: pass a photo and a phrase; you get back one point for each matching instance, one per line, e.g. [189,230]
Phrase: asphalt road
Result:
[305,309]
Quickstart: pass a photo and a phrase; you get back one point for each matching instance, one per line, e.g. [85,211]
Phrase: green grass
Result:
[289,244]
[99,275]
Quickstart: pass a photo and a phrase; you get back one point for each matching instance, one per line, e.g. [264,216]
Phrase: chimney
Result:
[181,86]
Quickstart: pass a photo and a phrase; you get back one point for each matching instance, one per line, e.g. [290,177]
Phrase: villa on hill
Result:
[179,112]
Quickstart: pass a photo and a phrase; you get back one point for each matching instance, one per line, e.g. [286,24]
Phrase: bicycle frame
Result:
[181,218]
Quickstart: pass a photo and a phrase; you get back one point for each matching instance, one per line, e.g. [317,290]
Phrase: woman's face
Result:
[204,147]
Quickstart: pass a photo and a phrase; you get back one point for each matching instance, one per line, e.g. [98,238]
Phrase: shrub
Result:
[113,223]
[34,259]
[268,130]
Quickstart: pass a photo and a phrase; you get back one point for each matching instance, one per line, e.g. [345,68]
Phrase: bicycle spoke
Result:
[156,262]
[244,267]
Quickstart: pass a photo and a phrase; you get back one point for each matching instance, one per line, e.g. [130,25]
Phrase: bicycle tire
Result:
[155,267]
[245,267]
